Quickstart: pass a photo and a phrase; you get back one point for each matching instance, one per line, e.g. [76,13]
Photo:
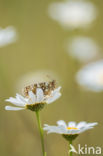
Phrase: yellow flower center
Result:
[70,128]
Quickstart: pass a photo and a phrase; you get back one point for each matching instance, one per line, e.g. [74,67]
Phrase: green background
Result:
[40,46]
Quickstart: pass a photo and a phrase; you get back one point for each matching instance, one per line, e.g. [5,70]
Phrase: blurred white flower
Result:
[7,36]
[69,129]
[73,13]
[83,48]
[91,76]
[36,98]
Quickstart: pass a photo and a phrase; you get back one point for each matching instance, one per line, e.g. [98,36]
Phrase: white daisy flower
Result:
[91,76]
[35,97]
[73,13]
[70,130]
[83,49]
[7,36]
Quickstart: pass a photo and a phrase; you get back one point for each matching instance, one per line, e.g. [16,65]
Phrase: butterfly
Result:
[47,87]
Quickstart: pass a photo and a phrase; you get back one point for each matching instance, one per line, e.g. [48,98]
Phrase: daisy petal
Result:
[57,90]
[72,124]
[92,124]
[72,131]
[21,99]
[15,101]
[39,94]
[13,108]
[54,129]
[85,129]
[61,123]
[32,96]
[53,98]
[81,124]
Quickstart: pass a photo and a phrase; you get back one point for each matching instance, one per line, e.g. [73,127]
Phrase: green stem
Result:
[41,132]
[70,143]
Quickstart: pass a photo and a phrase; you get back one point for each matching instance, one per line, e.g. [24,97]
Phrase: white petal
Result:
[81,124]
[85,129]
[87,126]
[32,97]
[54,98]
[21,99]
[72,131]
[91,124]
[30,102]
[39,94]
[72,124]
[15,101]
[54,129]
[13,108]
[61,123]
[57,90]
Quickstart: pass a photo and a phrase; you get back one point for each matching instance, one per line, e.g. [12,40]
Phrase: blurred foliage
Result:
[40,47]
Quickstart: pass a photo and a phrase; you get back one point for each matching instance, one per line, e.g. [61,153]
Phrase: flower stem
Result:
[41,132]
[70,143]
